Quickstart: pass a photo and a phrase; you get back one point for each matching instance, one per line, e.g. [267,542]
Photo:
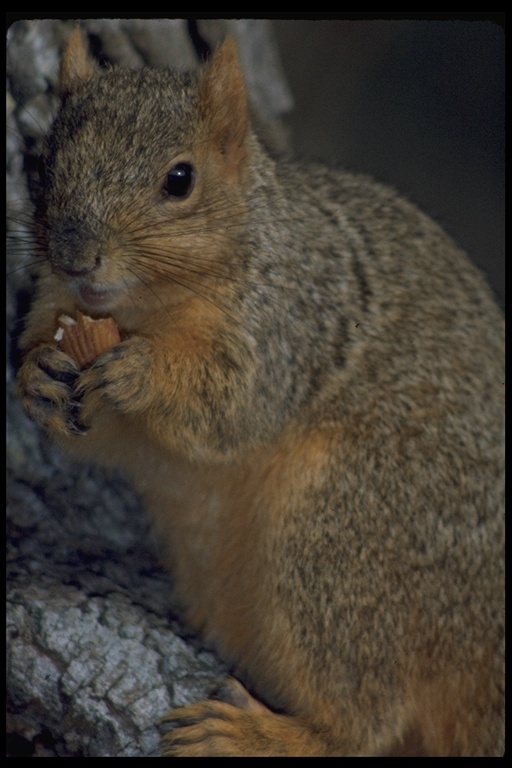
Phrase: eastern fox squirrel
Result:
[308,394]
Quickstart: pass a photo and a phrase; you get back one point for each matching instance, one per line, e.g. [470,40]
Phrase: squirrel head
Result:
[144,170]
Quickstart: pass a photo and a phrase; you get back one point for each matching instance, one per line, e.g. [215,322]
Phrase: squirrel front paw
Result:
[45,386]
[119,379]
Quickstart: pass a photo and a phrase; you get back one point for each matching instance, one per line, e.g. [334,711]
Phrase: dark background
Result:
[418,104]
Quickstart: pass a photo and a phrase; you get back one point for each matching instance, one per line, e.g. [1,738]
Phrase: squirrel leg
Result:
[238,726]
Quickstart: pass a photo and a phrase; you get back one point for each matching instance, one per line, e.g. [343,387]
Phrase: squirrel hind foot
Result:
[234,724]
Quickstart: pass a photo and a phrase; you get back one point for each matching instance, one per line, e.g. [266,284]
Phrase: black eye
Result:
[179,181]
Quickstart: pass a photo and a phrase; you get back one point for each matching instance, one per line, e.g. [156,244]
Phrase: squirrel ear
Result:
[77,65]
[223,101]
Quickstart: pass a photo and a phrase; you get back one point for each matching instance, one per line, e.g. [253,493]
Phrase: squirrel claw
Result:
[77,427]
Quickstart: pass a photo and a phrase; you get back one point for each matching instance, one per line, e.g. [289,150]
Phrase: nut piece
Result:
[84,339]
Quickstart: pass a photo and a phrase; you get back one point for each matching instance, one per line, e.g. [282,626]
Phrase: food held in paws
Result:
[85,338]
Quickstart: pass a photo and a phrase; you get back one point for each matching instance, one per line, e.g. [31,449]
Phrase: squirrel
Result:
[308,395]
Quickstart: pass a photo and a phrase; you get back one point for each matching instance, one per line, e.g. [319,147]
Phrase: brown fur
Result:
[308,396]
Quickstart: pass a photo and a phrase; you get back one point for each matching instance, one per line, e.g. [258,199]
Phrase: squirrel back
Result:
[308,393]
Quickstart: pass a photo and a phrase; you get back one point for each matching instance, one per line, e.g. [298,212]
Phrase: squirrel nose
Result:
[74,249]
[76,267]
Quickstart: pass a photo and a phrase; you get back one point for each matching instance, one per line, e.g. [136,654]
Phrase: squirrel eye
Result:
[179,181]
